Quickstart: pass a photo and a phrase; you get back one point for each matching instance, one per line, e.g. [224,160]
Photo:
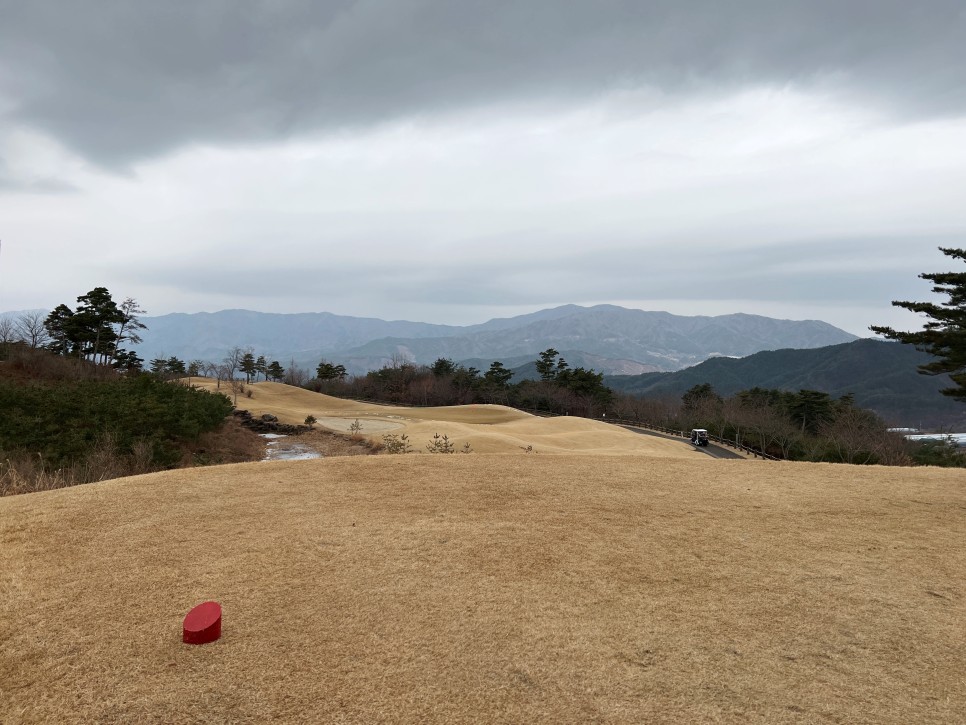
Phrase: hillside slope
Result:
[487,428]
[539,589]
[881,375]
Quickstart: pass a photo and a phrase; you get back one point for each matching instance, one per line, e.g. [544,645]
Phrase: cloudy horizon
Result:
[451,162]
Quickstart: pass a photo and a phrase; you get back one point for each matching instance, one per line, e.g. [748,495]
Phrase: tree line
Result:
[806,425]
[98,329]
[237,360]
[561,389]
[803,425]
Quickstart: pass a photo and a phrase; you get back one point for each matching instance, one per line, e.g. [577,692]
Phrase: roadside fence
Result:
[676,433]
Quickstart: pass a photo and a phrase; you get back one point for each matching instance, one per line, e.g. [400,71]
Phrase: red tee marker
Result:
[202,624]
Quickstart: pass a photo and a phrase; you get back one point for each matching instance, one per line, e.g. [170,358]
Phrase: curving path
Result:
[711,449]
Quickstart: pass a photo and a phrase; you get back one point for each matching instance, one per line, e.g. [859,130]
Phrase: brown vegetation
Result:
[488,428]
[24,470]
[490,588]
[23,363]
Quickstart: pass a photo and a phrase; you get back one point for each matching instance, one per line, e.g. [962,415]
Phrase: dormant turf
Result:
[490,588]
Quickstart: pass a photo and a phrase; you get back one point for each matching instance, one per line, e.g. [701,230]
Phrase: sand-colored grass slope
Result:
[490,588]
[487,428]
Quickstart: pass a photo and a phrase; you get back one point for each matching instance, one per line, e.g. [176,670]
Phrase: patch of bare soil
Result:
[490,588]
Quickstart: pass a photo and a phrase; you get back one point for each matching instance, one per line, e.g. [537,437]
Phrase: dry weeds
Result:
[231,443]
[490,588]
[328,444]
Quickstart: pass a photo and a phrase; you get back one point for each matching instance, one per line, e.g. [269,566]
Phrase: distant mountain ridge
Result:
[615,338]
[881,375]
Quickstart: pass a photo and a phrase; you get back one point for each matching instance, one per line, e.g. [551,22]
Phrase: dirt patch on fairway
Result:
[490,588]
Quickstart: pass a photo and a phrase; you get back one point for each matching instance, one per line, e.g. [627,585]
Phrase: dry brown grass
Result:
[490,588]
[22,474]
[29,473]
[488,428]
[327,444]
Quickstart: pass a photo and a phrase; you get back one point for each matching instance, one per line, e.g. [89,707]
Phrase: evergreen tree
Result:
[94,319]
[546,363]
[811,409]
[700,396]
[498,375]
[60,327]
[130,324]
[174,366]
[443,367]
[328,371]
[944,336]
[247,366]
[96,328]
[128,360]
[275,371]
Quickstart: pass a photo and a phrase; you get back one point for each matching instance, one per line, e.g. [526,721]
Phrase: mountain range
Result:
[642,353]
[608,338]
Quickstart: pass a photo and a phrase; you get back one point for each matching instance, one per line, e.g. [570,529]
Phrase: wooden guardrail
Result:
[757,453]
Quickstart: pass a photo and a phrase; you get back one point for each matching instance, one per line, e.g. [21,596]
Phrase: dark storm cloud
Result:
[119,80]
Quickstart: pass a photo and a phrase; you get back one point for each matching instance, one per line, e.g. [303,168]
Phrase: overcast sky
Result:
[451,161]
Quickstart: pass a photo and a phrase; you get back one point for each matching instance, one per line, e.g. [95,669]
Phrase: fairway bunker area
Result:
[490,588]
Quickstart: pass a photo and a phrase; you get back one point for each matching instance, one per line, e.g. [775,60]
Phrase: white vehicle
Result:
[699,436]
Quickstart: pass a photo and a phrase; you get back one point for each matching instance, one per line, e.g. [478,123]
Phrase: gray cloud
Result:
[36,186]
[11,183]
[846,275]
[118,81]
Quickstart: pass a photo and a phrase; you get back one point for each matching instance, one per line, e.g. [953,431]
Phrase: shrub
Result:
[396,444]
[441,444]
[65,423]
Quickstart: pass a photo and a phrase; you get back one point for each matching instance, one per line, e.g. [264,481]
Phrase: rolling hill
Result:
[881,375]
[490,588]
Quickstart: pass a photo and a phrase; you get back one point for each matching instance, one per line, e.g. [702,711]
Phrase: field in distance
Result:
[490,588]
[487,428]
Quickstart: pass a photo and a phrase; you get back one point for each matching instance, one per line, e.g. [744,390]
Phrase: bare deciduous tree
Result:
[295,375]
[233,361]
[31,329]
[8,331]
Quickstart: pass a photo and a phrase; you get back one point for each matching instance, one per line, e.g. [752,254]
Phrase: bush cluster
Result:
[64,423]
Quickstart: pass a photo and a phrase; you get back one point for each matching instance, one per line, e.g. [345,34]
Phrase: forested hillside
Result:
[880,375]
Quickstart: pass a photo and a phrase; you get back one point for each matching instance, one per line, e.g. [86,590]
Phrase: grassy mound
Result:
[490,588]
[488,428]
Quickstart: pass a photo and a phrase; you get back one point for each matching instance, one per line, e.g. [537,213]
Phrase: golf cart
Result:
[699,436]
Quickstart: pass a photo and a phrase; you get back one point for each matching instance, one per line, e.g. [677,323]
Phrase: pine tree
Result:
[247,366]
[944,336]
[275,371]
